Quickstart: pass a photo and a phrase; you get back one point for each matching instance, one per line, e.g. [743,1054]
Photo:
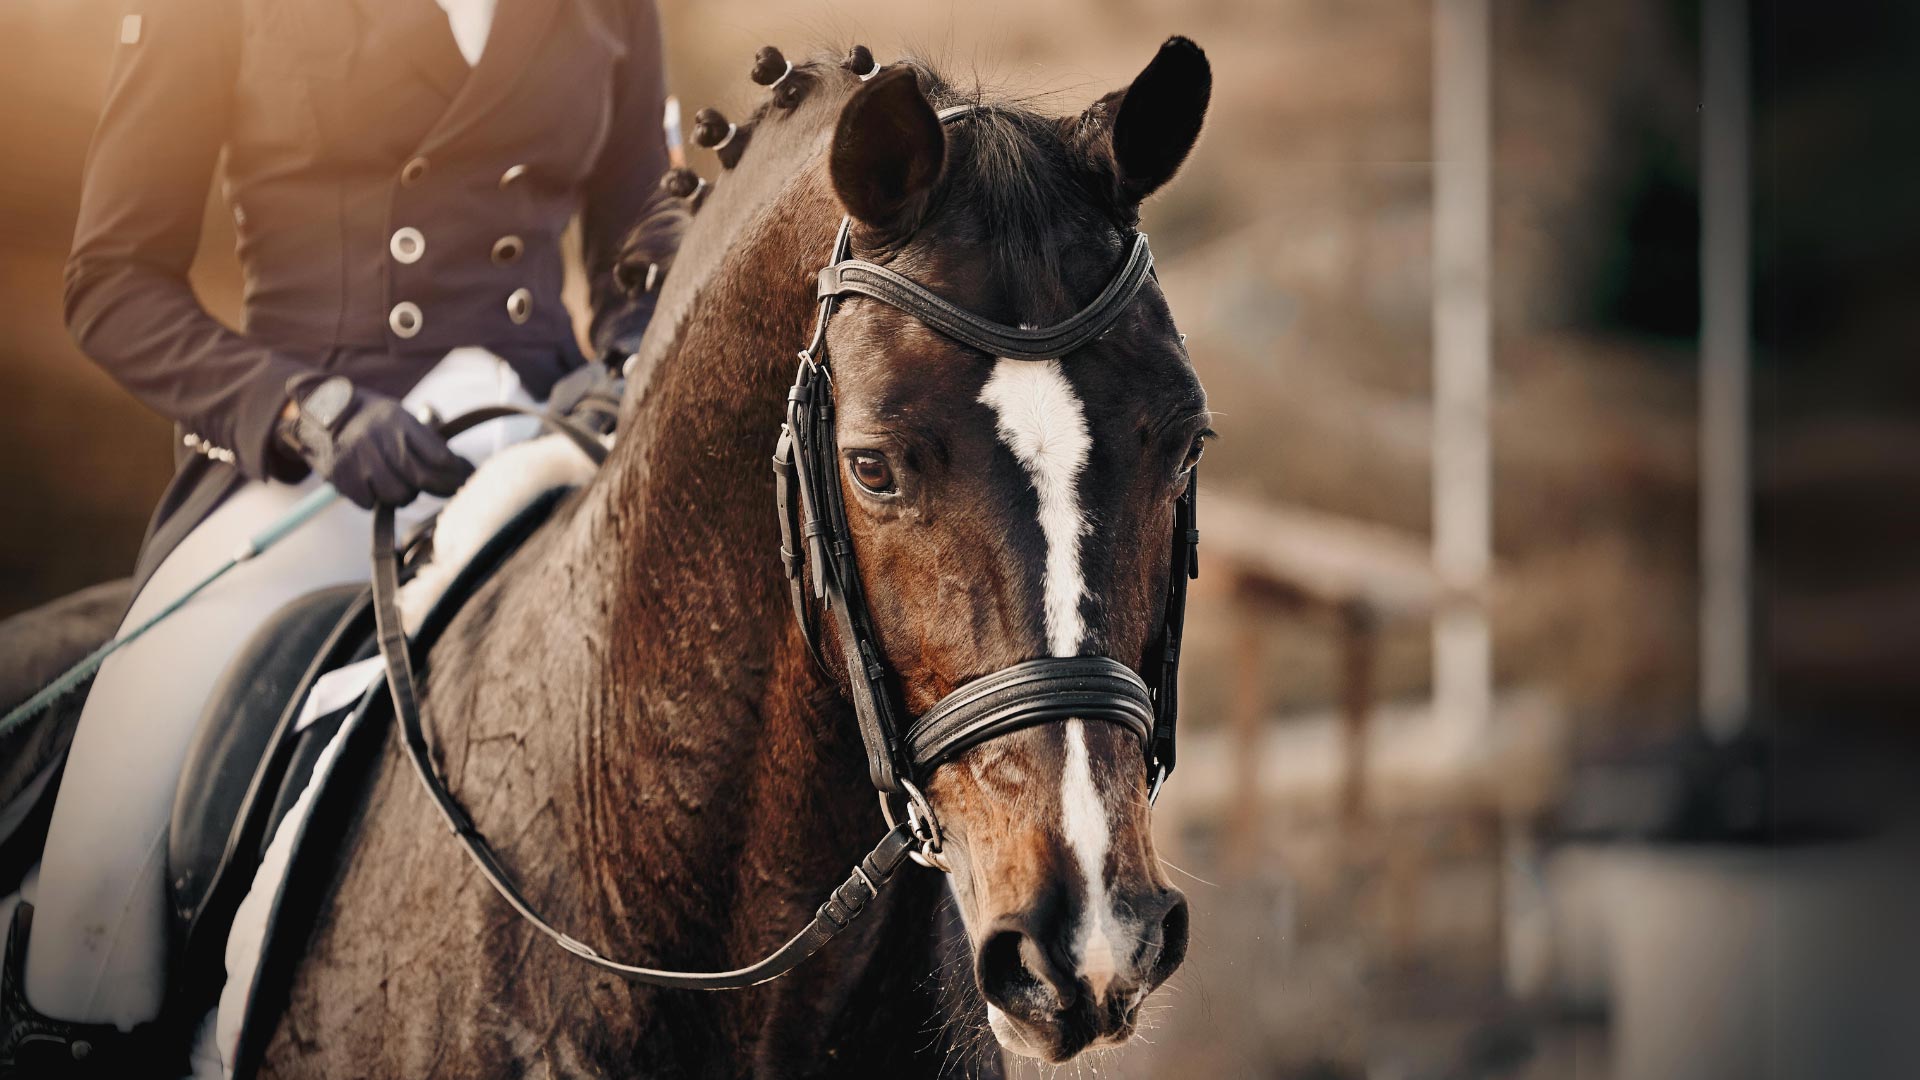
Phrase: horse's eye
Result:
[871,471]
[1194,452]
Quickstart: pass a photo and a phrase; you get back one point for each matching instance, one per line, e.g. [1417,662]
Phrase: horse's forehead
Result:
[916,377]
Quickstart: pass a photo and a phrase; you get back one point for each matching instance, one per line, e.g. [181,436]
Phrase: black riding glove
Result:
[368,446]
[590,396]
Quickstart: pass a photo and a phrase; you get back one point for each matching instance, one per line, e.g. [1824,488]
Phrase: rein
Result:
[816,545]
[841,908]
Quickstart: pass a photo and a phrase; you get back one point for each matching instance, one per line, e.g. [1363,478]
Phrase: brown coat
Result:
[336,126]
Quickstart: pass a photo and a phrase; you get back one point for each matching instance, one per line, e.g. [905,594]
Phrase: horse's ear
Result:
[887,151]
[1154,122]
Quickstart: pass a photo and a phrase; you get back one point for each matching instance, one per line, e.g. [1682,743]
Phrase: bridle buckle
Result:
[923,824]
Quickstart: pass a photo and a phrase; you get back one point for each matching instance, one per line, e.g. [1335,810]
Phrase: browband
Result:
[858,277]
[847,276]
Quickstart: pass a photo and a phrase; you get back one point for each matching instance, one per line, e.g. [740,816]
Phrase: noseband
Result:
[816,545]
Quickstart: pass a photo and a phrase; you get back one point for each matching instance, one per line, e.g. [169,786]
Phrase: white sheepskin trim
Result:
[505,484]
[219,1034]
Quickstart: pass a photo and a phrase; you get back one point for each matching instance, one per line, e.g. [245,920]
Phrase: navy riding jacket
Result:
[391,203]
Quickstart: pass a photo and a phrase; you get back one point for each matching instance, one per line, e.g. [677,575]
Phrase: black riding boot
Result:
[33,1046]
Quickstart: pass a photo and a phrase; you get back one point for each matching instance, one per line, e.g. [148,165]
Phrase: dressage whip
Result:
[302,512]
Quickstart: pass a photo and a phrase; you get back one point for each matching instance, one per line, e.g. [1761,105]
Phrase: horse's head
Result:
[1004,510]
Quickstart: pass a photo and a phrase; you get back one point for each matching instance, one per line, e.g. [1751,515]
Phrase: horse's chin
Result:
[1012,1039]
[1049,1044]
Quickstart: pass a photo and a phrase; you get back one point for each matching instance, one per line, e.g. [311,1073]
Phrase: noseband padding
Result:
[1034,692]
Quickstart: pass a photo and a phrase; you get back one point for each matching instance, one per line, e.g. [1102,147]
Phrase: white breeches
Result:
[98,948]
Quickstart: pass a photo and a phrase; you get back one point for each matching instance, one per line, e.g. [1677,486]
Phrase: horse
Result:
[629,710]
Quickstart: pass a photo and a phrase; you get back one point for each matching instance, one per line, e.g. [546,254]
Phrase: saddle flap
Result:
[240,748]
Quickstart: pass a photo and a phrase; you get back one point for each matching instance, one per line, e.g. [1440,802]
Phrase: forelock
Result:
[1024,174]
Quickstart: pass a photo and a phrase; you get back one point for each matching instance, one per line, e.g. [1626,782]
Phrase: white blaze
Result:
[1042,422]
[1083,817]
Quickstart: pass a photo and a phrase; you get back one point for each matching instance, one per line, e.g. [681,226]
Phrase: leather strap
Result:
[841,908]
[858,277]
[1185,567]
[792,554]
[589,442]
[1033,692]
[846,276]
[836,578]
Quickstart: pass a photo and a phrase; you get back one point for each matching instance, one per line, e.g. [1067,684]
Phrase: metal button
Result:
[405,319]
[407,244]
[413,172]
[506,250]
[520,305]
[513,173]
[194,442]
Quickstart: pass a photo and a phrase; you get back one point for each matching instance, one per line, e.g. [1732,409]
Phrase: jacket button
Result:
[413,172]
[506,250]
[405,319]
[513,173]
[407,244]
[520,306]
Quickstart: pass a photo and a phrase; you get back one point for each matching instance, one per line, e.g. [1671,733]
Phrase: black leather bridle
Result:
[816,546]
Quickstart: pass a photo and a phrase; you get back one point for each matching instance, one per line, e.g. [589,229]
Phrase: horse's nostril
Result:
[1173,940]
[1005,977]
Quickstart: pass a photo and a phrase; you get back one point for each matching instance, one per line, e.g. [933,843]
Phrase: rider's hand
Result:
[368,446]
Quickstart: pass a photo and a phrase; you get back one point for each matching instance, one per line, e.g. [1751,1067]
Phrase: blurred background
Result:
[1567,343]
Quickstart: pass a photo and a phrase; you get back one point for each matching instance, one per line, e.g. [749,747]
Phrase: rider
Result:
[399,176]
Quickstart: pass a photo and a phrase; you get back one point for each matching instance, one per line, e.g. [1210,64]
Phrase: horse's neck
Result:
[713,719]
[637,688]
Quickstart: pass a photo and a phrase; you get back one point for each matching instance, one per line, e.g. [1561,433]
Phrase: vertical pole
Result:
[1249,708]
[1462,359]
[1725,554]
[1357,649]
[670,125]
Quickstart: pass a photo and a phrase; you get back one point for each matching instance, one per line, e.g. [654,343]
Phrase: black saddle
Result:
[246,765]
